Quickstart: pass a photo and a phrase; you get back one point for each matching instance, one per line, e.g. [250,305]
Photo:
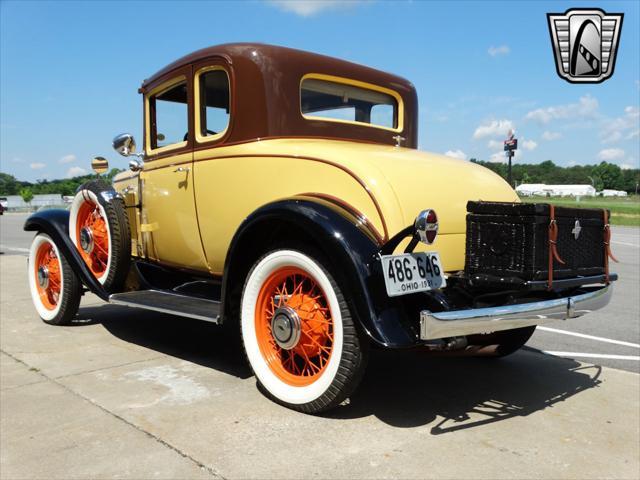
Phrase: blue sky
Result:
[69,73]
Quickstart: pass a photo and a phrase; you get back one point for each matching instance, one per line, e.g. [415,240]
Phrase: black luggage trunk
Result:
[511,241]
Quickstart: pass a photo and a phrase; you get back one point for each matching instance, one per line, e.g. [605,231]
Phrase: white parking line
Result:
[634,358]
[14,249]
[627,244]
[590,337]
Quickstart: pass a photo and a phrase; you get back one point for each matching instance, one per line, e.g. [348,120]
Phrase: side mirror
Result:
[99,165]
[124,144]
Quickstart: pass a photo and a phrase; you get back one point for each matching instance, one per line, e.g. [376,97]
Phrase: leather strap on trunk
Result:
[553,241]
[607,246]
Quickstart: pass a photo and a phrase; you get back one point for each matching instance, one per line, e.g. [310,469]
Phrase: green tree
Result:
[8,184]
[610,175]
[27,195]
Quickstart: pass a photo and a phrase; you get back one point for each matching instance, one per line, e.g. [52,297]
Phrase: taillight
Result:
[426,226]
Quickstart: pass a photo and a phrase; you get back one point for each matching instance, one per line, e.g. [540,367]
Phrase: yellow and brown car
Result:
[282,193]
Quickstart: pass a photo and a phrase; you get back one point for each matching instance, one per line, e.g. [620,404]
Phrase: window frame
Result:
[200,139]
[163,87]
[358,84]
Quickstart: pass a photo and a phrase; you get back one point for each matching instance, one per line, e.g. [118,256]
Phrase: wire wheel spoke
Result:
[304,359]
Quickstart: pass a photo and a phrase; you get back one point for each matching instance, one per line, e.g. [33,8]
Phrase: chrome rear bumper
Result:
[457,323]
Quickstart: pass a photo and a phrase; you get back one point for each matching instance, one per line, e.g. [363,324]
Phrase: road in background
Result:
[13,239]
[616,328]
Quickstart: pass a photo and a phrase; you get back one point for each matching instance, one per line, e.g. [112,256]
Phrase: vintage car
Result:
[282,193]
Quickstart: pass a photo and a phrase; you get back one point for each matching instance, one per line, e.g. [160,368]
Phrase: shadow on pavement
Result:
[410,388]
[196,341]
[401,388]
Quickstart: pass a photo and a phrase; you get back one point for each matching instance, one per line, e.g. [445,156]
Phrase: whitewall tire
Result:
[55,288]
[100,232]
[298,332]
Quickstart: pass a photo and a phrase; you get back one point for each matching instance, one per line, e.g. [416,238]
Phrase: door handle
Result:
[181,169]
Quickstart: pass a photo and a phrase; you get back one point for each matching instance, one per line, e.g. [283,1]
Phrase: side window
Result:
[333,100]
[169,116]
[213,103]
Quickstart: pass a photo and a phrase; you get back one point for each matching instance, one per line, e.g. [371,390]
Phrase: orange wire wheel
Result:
[48,273]
[55,288]
[92,237]
[294,328]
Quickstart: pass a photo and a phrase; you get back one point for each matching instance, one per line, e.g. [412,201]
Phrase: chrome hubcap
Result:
[43,276]
[86,239]
[285,327]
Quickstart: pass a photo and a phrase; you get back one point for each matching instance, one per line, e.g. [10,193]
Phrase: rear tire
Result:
[298,333]
[55,288]
[100,231]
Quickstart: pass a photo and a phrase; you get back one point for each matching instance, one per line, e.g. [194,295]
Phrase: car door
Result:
[169,223]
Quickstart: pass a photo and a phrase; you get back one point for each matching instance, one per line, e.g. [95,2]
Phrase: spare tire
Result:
[99,228]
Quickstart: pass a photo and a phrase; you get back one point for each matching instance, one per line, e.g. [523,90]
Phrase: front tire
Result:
[55,288]
[298,333]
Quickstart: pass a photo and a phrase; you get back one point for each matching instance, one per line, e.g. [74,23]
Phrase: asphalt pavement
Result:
[609,337]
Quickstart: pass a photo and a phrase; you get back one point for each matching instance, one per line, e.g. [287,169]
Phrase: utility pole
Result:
[510,147]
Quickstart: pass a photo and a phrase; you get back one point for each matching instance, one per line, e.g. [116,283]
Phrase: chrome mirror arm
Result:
[136,164]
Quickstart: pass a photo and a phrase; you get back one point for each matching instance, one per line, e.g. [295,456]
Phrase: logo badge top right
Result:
[585,43]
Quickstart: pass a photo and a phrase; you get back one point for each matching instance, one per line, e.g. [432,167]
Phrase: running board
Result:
[172,303]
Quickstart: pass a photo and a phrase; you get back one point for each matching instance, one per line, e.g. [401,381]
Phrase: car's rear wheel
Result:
[55,288]
[100,231]
[298,332]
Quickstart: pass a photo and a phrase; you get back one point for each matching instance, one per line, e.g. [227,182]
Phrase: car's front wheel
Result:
[298,332]
[55,288]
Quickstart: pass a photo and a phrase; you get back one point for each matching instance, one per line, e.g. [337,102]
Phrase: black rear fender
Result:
[350,249]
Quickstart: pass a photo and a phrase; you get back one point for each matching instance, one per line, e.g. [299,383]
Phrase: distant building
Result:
[541,189]
[40,200]
[613,193]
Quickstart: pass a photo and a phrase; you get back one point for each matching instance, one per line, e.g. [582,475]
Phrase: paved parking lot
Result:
[132,394]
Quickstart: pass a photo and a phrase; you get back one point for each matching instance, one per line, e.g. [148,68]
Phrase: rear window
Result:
[335,101]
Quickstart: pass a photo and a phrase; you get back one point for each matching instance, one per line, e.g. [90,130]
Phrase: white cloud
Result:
[501,50]
[76,172]
[459,154]
[529,145]
[67,159]
[495,145]
[587,106]
[308,8]
[499,157]
[611,154]
[549,136]
[626,166]
[495,128]
[37,165]
[16,160]
[626,126]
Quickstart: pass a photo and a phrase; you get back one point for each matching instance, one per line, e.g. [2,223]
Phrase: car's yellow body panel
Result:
[389,185]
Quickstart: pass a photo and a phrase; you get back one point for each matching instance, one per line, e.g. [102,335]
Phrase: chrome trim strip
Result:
[486,320]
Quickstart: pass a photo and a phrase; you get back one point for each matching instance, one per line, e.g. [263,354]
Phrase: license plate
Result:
[412,272]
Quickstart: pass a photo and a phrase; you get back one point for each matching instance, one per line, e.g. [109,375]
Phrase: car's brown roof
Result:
[267,79]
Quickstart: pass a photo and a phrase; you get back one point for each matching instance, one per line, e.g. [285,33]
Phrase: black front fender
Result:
[55,223]
[352,253]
